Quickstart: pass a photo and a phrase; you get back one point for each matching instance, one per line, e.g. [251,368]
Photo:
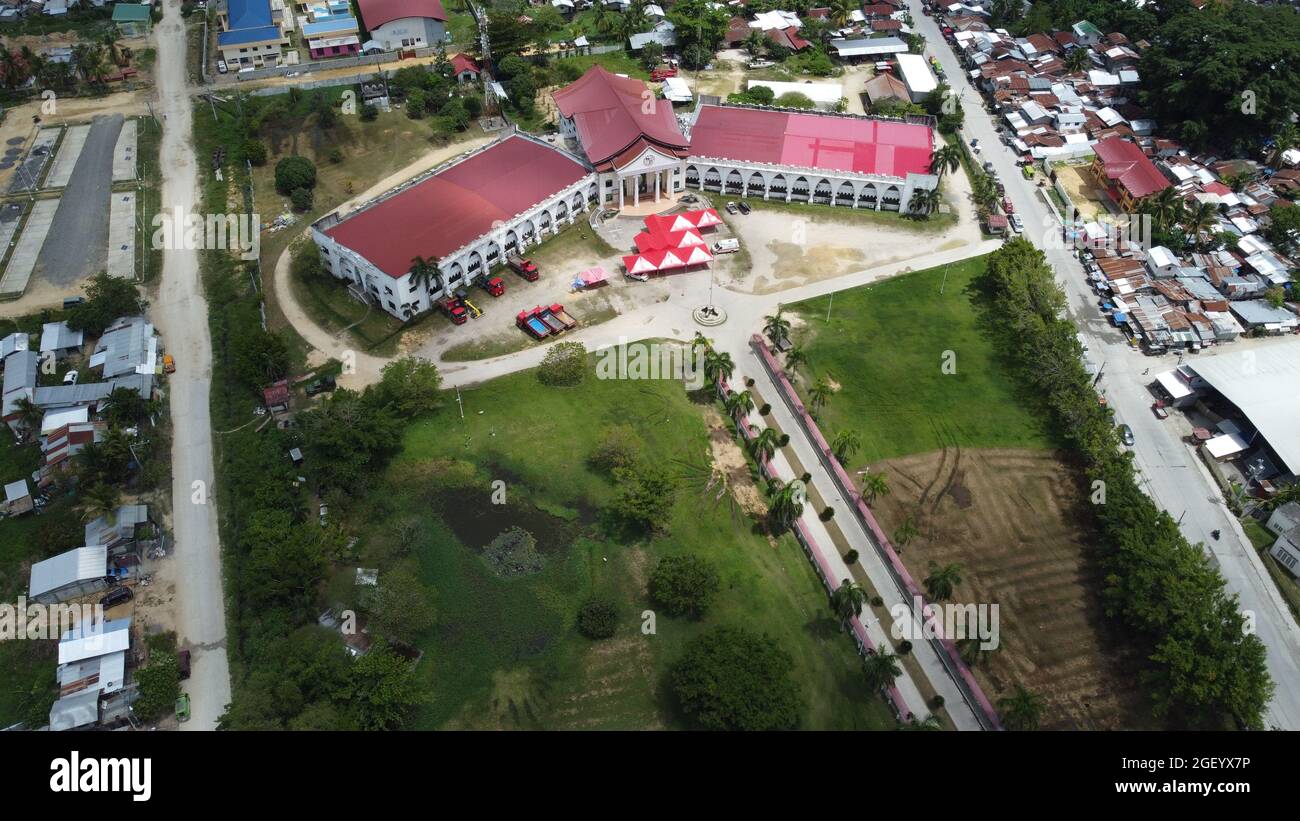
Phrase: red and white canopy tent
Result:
[667,259]
[590,277]
[674,239]
[669,223]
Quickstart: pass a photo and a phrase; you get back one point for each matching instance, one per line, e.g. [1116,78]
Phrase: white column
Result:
[620,193]
[658,174]
[636,190]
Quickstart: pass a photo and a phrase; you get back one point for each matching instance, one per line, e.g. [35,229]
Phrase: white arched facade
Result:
[770,182]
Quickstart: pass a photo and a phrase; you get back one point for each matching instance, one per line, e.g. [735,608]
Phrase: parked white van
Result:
[726,246]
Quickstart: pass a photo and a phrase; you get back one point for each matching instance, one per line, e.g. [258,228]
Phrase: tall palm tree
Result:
[739,404]
[848,599]
[944,159]
[1199,219]
[842,12]
[717,365]
[787,501]
[755,42]
[602,16]
[1021,710]
[794,358]
[907,531]
[1077,60]
[881,669]
[819,393]
[916,205]
[776,327]
[875,485]
[110,44]
[1166,208]
[764,444]
[972,650]
[1286,138]
[941,581]
[29,416]
[846,443]
[99,499]
[424,272]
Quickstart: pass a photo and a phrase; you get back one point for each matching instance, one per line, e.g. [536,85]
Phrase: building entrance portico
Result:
[650,176]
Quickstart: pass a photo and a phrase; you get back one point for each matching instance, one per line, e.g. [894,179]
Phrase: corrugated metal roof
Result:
[74,565]
[112,636]
[76,710]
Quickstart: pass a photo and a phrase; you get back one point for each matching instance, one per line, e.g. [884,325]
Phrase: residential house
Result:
[404,24]
[1126,173]
[57,339]
[251,33]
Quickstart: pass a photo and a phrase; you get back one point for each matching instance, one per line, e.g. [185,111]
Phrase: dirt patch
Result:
[731,468]
[1015,523]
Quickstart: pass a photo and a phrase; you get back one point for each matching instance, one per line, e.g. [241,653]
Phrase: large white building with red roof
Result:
[630,137]
[465,216]
[628,146]
[399,24]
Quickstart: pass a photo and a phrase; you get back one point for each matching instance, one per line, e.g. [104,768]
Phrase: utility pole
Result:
[828,306]
[460,404]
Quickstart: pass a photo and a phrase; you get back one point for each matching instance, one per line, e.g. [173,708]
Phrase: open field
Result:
[504,653]
[971,461]
[1087,197]
[885,346]
[1014,523]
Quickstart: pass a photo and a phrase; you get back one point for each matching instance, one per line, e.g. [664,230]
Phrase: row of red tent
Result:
[672,241]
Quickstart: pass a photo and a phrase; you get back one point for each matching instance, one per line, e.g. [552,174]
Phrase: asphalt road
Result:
[181,314]
[83,211]
[1170,471]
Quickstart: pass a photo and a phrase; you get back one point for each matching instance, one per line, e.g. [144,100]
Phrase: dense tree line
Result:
[1205,669]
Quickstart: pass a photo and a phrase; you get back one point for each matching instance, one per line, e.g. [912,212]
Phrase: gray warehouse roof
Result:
[75,565]
[1264,382]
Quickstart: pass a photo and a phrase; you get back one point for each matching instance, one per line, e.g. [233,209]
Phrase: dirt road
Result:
[181,314]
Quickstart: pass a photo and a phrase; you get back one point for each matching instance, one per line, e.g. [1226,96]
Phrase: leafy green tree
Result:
[402,607]
[382,689]
[254,151]
[619,447]
[107,300]
[302,199]
[644,495]
[159,684]
[684,585]
[284,561]
[410,386]
[794,99]
[260,357]
[846,443]
[565,364]
[733,679]
[597,618]
[292,173]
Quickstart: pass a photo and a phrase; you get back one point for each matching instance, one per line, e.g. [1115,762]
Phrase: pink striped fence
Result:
[824,570]
[949,655]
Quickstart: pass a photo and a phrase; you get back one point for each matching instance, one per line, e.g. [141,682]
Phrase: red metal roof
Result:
[463,62]
[374,13]
[865,146]
[611,114]
[1126,164]
[457,205]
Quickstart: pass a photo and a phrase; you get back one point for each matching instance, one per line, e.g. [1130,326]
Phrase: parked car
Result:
[71,377]
[183,707]
[744,207]
[761,63]
[222,68]
[1017,223]
[1159,409]
[169,364]
[1126,435]
[732,209]
[183,661]
[72,302]
[322,385]
[116,596]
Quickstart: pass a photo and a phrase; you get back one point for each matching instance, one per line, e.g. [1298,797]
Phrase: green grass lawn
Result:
[504,653]
[814,213]
[885,345]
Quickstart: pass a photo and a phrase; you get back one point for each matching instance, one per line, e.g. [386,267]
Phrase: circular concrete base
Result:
[709,316]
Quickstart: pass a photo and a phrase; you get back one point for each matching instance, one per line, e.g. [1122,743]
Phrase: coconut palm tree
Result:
[717,365]
[881,669]
[941,581]
[1021,710]
[819,393]
[424,272]
[776,327]
[1166,208]
[602,16]
[916,205]
[846,443]
[875,485]
[1200,218]
[1287,137]
[99,499]
[787,501]
[29,416]
[972,650]
[794,358]
[739,404]
[113,50]
[764,444]
[842,12]
[755,42]
[848,599]
[1077,60]
[907,531]
[947,158]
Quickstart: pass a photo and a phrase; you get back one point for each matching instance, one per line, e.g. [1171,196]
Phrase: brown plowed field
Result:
[1013,520]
